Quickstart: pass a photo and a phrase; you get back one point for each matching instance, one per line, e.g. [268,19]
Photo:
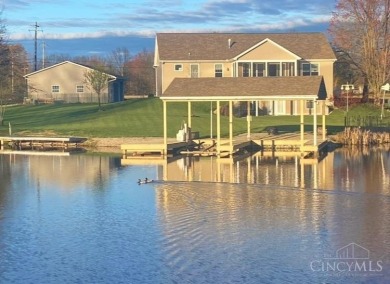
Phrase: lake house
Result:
[269,70]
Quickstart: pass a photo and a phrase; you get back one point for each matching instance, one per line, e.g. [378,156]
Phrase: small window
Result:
[309,69]
[218,70]
[80,89]
[178,67]
[55,89]
[314,70]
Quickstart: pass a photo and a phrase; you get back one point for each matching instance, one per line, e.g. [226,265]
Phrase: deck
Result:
[141,149]
[284,142]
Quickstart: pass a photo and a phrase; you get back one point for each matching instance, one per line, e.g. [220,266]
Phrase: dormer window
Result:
[178,67]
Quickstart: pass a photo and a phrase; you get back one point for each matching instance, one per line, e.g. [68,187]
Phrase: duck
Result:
[146,180]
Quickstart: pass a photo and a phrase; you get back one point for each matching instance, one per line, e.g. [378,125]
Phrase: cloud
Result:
[18,4]
[147,17]
[91,35]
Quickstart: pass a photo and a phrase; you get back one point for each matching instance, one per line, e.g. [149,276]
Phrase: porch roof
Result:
[246,89]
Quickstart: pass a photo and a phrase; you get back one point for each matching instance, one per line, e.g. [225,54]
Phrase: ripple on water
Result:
[225,233]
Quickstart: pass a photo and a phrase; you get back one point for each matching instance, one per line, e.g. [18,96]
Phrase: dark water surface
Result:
[84,219]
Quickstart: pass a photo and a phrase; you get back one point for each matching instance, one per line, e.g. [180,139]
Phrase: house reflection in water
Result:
[286,170]
[346,169]
[256,215]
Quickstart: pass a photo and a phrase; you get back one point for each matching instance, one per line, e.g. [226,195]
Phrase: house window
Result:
[55,89]
[80,89]
[178,67]
[194,70]
[258,69]
[218,70]
[274,69]
[310,69]
[246,69]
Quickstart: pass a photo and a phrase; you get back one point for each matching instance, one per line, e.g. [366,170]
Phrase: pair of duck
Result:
[146,180]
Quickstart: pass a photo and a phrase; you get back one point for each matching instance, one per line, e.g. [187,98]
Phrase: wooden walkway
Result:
[31,142]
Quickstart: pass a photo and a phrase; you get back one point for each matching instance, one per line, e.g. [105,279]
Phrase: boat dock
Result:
[286,142]
[141,149]
[17,142]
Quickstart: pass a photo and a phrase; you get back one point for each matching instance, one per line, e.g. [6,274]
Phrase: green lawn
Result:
[143,117]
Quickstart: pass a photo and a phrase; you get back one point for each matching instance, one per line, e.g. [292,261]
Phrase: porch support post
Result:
[302,125]
[189,114]
[323,121]
[248,120]
[315,128]
[218,128]
[231,126]
[165,127]
[211,120]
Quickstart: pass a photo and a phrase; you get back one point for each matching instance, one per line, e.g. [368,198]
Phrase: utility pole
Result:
[36,46]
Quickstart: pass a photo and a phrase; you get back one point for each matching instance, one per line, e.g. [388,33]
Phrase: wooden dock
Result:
[17,142]
[141,149]
[284,142]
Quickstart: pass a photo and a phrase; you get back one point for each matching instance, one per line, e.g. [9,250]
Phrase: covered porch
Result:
[218,91]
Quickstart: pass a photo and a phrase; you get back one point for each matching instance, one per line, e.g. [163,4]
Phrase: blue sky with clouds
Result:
[76,20]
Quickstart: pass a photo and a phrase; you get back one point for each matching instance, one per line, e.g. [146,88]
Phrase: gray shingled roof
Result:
[235,87]
[214,46]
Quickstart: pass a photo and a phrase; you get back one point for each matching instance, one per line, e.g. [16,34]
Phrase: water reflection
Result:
[64,172]
[349,169]
[251,234]
[84,219]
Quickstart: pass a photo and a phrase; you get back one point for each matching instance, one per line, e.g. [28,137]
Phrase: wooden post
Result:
[248,120]
[323,121]
[302,123]
[231,126]
[315,127]
[218,128]
[211,120]
[165,148]
[189,114]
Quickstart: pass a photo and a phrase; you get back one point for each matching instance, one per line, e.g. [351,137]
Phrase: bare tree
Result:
[4,69]
[360,32]
[2,105]
[141,74]
[19,67]
[118,59]
[98,81]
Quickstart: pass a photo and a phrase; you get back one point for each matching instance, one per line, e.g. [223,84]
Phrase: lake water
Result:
[262,219]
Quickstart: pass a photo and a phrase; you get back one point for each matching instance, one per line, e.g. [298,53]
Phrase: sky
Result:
[97,27]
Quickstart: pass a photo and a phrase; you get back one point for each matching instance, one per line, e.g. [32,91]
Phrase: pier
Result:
[17,142]
[284,142]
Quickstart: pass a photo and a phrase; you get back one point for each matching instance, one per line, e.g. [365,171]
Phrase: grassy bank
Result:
[143,117]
